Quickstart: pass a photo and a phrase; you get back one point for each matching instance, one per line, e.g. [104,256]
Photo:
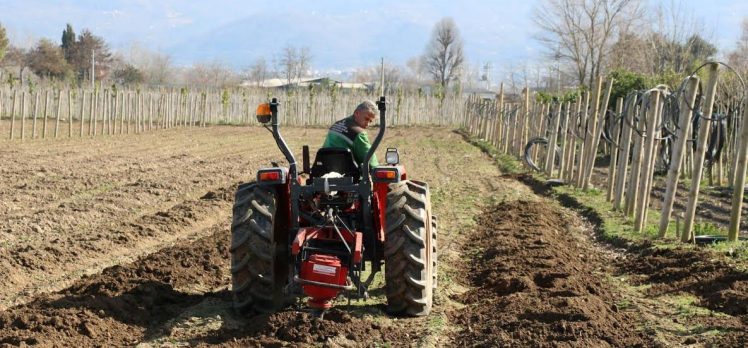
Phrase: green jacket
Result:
[347,134]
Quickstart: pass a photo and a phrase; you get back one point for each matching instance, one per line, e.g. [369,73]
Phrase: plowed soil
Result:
[118,241]
[123,241]
[714,287]
[537,283]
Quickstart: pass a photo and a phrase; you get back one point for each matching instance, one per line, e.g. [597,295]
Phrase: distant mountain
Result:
[334,42]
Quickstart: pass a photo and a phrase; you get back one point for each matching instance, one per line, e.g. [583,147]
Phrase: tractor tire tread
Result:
[408,275]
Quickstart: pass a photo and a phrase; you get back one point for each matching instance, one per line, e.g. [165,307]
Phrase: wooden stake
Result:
[13,113]
[738,188]
[70,115]
[597,130]
[23,115]
[46,108]
[614,151]
[36,111]
[699,154]
[551,156]
[648,166]
[685,104]
[636,167]
[624,150]
[94,110]
[82,116]
[581,156]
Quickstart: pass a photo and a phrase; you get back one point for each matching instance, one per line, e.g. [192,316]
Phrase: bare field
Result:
[123,240]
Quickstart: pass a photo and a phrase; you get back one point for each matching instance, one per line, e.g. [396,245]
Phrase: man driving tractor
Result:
[350,132]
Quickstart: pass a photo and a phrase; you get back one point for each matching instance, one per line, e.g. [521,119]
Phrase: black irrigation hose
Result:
[740,79]
[666,152]
[611,120]
[528,156]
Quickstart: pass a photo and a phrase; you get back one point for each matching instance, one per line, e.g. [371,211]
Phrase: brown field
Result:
[123,240]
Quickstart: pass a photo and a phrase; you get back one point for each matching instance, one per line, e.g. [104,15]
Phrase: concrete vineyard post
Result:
[686,105]
[699,154]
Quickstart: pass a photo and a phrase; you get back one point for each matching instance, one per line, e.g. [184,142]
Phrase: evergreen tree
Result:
[80,56]
[68,41]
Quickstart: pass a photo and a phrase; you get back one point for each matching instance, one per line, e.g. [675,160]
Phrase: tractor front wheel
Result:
[408,254]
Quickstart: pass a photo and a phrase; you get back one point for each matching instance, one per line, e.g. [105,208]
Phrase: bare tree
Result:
[303,63]
[676,39]
[213,74]
[416,68]
[156,66]
[581,31]
[393,77]
[444,55]
[293,63]
[287,63]
[739,57]
[258,72]
[673,40]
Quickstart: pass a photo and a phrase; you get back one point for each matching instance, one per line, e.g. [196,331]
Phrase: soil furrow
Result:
[62,260]
[537,283]
[151,298]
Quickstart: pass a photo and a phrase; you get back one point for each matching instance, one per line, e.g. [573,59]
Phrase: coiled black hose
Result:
[528,155]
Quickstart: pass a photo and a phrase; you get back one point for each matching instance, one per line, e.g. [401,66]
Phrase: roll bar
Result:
[282,143]
[382,105]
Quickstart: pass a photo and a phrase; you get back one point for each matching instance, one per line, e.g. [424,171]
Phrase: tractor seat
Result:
[335,159]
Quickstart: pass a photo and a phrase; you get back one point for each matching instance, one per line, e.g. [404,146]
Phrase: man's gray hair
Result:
[368,106]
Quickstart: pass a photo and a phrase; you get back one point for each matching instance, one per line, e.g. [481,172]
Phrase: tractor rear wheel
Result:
[253,256]
[408,249]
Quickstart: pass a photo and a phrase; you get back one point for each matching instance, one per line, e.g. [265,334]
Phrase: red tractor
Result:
[315,232]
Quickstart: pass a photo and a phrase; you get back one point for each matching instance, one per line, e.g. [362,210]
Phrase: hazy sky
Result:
[340,34]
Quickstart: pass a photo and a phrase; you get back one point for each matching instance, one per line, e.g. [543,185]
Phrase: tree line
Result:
[638,44]
[80,58]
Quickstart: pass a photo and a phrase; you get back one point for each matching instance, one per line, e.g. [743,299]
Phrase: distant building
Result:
[481,92]
[305,83]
